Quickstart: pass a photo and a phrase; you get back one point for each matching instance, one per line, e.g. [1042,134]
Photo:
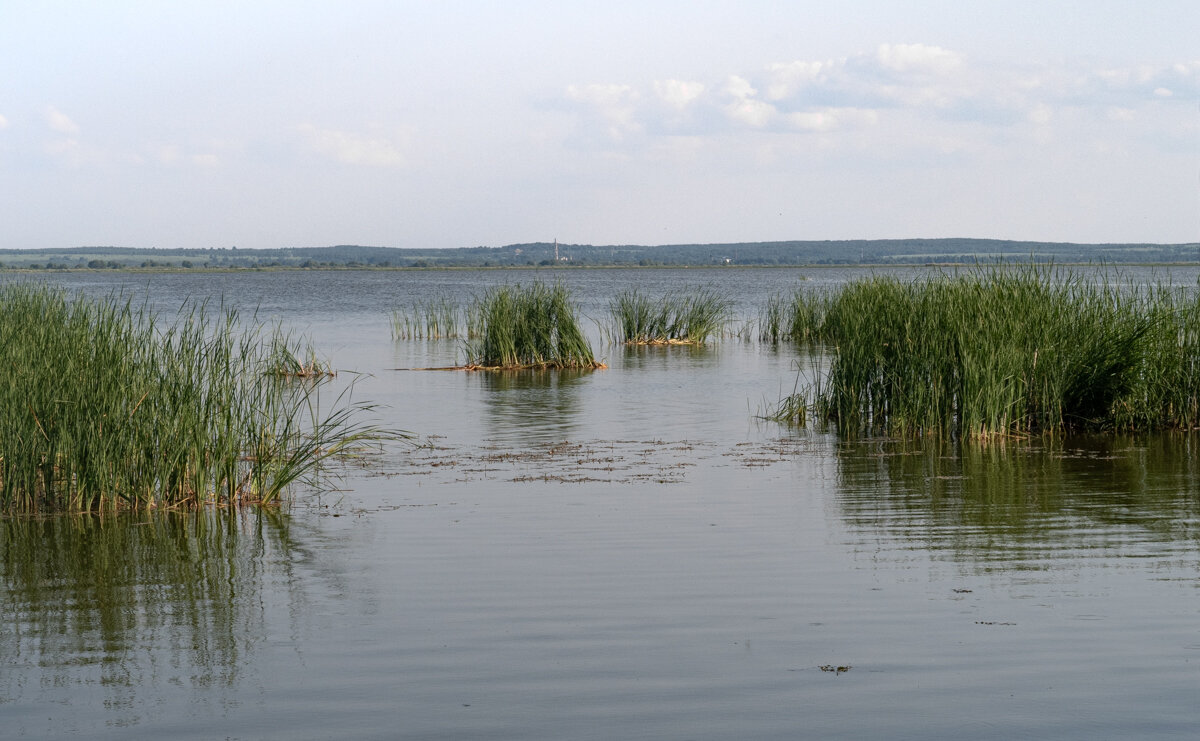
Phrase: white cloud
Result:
[814,121]
[172,155]
[3,122]
[60,122]
[601,95]
[905,75]
[167,154]
[754,113]
[929,88]
[678,94]
[744,107]
[739,87]
[615,105]
[786,78]
[917,58]
[61,147]
[831,119]
[352,148]
[1116,85]
[1040,115]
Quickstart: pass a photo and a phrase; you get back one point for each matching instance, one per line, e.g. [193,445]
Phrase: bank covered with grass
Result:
[104,406]
[1004,352]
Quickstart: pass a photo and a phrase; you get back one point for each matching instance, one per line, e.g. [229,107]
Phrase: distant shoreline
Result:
[168,270]
[794,254]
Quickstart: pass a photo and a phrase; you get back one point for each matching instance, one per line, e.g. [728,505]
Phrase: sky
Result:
[457,124]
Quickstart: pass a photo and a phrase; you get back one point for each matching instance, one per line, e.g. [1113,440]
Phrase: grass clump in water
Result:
[1008,352]
[527,327]
[103,409]
[286,360]
[435,319]
[686,318]
[800,318]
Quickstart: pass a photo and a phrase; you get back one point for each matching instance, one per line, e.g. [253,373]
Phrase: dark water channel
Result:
[626,553]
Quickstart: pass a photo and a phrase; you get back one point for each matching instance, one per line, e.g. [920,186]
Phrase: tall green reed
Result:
[106,407]
[687,317]
[1008,351]
[439,318]
[798,318]
[527,326]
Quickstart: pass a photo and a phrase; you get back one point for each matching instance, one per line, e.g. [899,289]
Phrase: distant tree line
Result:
[549,254]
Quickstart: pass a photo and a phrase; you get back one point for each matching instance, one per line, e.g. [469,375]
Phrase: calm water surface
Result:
[625,553]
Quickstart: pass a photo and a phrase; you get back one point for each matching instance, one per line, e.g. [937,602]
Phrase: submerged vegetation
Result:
[690,317]
[103,408]
[528,327]
[1006,352]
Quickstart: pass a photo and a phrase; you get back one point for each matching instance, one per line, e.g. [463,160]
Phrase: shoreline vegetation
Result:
[105,408]
[795,253]
[997,352]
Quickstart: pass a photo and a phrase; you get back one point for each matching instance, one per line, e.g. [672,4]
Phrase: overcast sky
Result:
[454,124]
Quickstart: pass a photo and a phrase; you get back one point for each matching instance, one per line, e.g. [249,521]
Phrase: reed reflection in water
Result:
[1029,502]
[111,605]
[532,405]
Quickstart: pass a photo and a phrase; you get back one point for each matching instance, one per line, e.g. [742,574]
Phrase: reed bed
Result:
[687,317]
[439,318]
[1004,352]
[287,361]
[533,326]
[798,318]
[104,408]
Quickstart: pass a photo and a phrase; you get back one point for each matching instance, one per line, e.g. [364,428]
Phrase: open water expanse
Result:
[620,554]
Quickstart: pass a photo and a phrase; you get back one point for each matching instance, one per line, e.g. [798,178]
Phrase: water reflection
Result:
[644,357]
[532,405]
[116,604]
[1031,502]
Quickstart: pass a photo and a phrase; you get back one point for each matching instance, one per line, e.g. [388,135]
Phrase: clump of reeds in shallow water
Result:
[286,360]
[1008,352]
[439,318]
[102,407]
[798,318]
[690,317]
[527,327]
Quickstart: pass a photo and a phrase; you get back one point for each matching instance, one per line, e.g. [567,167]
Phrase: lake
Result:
[621,553]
